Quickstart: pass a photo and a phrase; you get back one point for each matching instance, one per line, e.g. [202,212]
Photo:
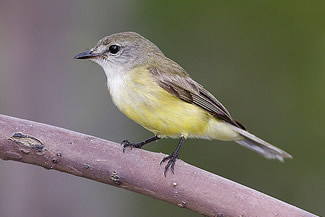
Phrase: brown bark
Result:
[135,170]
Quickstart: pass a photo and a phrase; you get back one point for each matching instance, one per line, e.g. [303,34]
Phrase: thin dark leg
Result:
[126,143]
[172,157]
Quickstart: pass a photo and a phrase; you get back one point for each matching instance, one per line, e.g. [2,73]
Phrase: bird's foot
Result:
[126,144]
[171,162]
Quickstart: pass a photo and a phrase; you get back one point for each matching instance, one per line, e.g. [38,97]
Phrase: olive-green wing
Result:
[186,89]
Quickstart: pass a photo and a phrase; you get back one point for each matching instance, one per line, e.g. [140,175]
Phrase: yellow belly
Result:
[142,100]
[168,116]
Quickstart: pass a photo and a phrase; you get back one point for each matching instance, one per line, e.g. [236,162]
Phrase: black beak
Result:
[86,55]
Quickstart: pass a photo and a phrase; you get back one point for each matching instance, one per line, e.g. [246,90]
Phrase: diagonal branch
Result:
[137,170]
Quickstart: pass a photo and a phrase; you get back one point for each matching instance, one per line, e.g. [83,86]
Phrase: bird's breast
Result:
[138,96]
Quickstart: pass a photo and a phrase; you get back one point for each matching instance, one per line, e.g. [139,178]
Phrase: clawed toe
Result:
[171,162]
[125,143]
[171,158]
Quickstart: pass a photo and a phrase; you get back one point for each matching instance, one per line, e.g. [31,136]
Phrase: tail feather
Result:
[263,148]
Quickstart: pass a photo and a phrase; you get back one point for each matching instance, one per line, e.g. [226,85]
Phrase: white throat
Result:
[114,74]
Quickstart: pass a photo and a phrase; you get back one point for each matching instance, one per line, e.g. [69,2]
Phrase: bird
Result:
[158,94]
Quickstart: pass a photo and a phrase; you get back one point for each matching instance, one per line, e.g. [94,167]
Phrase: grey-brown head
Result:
[125,49]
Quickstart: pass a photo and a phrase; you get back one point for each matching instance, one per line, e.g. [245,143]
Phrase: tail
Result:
[260,146]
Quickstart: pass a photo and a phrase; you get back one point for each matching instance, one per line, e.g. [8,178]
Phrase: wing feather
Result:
[186,89]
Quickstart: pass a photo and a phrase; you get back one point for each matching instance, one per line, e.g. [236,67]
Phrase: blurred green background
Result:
[264,60]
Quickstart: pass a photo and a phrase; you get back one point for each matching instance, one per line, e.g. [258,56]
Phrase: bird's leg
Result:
[126,143]
[172,157]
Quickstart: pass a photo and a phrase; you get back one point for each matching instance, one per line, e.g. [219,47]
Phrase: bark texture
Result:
[135,170]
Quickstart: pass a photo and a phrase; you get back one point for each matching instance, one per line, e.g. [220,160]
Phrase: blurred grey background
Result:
[264,60]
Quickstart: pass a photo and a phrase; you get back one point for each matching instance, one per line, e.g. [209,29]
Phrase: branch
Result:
[135,170]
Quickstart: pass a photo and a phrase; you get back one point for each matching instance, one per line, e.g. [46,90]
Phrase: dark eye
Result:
[114,49]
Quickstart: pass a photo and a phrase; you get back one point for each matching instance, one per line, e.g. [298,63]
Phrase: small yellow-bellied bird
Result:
[158,94]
